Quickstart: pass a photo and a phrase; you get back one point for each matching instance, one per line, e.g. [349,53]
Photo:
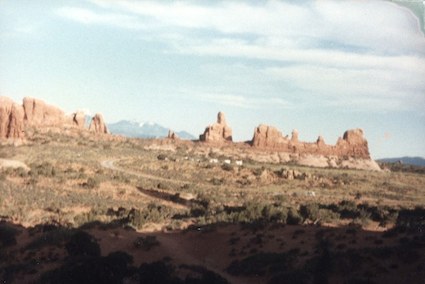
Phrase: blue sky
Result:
[318,66]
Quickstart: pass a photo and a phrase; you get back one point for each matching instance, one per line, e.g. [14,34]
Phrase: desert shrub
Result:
[161,157]
[364,216]
[198,211]
[7,235]
[348,209]
[274,214]
[310,211]
[217,181]
[146,243]
[92,182]
[412,221]
[44,169]
[86,218]
[258,171]
[326,215]
[227,167]
[151,214]
[82,244]
[294,217]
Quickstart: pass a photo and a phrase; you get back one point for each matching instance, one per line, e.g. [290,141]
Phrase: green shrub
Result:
[294,218]
[310,211]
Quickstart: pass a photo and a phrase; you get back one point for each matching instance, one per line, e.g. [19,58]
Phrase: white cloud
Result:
[243,101]
[368,54]
[86,16]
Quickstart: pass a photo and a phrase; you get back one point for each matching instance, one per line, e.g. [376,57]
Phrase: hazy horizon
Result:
[321,67]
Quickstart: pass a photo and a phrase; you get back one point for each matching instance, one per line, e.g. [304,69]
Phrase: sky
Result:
[321,67]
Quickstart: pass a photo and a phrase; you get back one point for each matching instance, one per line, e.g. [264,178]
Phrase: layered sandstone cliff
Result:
[14,118]
[38,113]
[11,119]
[352,144]
[218,132]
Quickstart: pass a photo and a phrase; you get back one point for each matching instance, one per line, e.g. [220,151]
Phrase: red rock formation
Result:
[11,119]
[35,113]
[321,142]
[269,137]
[98,125]
[294,138]
[218,132]
[352,144]
[39,113]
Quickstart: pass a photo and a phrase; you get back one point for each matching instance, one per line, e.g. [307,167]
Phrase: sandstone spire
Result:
[98,125]
[218,132]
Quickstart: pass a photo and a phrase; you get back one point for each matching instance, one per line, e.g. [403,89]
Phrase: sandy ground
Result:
[14,164]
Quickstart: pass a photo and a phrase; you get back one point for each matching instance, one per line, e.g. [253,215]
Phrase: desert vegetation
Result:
[140,211]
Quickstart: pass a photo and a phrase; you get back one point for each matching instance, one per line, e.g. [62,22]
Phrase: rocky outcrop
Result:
[219,132]
[34,113]
[98,125]
[353,144]
[11,119]
[39,113]
[268,137]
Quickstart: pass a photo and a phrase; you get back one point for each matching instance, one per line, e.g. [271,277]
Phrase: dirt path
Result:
[110,164]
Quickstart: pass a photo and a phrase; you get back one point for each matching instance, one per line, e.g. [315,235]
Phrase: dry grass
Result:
[166,188]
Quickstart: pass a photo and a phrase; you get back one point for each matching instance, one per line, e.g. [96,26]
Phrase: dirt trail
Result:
[110,164]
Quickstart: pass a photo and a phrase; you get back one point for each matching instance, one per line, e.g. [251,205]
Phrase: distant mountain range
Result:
[416,161]
[144,130]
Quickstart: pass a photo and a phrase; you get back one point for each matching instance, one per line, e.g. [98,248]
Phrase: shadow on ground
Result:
[217,253]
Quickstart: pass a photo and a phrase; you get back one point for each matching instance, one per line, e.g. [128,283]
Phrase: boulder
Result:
[97,125]
[218,132]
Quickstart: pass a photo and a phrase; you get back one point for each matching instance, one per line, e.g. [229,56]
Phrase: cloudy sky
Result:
[318,66]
